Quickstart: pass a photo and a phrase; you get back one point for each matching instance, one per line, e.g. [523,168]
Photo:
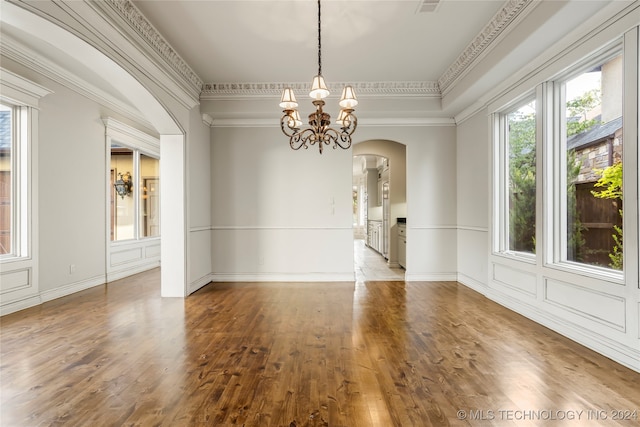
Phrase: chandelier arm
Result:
[300,139]
[285,125]
[340,139]
[344,141]
[353,123]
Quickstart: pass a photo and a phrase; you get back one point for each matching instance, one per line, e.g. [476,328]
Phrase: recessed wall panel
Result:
[123,257]
[518,280]
[152,251]
[596,306]
[14,280]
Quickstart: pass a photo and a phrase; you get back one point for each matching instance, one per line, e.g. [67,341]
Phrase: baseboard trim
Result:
[430,277]
[199,283]
[20,304]
[283,277]
[71,288]
[472,283]
[121,274]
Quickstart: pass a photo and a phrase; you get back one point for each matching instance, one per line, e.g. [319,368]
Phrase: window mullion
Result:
[136,193]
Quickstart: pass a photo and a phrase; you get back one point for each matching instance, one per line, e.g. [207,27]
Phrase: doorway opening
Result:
[376,213]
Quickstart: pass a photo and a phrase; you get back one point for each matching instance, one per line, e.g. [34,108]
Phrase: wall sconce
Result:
[123,184]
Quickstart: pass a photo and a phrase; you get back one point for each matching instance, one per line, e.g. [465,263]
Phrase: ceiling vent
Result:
[428,6]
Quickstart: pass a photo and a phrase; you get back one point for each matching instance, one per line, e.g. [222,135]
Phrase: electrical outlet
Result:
[72,268]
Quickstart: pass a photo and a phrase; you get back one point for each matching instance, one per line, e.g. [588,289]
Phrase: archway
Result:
[382,164]
[61,36]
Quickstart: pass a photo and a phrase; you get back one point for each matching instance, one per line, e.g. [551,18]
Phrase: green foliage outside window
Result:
[579,108]
[522,182]
[611,182]
[575,239]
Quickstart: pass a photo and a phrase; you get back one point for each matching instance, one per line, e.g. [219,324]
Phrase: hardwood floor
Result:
[299,354]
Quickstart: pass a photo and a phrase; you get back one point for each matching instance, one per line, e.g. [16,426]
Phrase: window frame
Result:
[501,177]
[139,143]
[23,97]
[15,190]
[556,146]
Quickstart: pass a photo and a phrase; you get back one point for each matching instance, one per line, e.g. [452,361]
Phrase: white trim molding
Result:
[220,91]
[136,20]
[18,89]
[484,42]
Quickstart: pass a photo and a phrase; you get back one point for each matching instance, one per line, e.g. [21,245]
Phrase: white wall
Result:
[279,214]
[199,199]
[473,165]
[72,195]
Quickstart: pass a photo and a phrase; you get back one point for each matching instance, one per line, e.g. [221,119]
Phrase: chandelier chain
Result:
[319,43]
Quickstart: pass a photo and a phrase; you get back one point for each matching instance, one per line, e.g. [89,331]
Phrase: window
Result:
[13,181]
[517,145]
[591,140]
[7,168]
[135,194]
[521,181]
[149,196]
[579,116]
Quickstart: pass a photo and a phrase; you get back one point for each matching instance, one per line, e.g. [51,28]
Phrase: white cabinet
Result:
[374,235]
[402,246]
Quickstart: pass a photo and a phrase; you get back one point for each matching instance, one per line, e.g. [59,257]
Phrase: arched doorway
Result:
[379,182]
[123,89]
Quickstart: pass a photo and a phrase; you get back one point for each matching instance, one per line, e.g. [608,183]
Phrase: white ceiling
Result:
[276,41]
[408,66]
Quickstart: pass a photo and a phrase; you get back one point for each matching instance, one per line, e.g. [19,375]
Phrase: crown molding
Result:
[484,41]
[15,87]
[117,129]
[136,20]
[377,122]
[212,91]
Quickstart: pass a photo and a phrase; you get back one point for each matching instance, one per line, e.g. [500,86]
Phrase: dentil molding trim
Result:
[511,10]
[500,21]
[223,90]
[139,22]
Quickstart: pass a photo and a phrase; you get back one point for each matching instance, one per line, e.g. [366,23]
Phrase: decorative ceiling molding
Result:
[139,22]
[480,45]
[376,122]
[384,89]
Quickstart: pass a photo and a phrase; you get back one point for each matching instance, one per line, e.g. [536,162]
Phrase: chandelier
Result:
[319,130]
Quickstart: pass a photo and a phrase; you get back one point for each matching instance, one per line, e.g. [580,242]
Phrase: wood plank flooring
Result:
[299,354]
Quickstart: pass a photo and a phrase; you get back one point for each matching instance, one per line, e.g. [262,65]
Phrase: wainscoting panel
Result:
[17,289]
[515,279]
[15,280]
[152,251]
[579,304]
[126,256]
[132,257]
